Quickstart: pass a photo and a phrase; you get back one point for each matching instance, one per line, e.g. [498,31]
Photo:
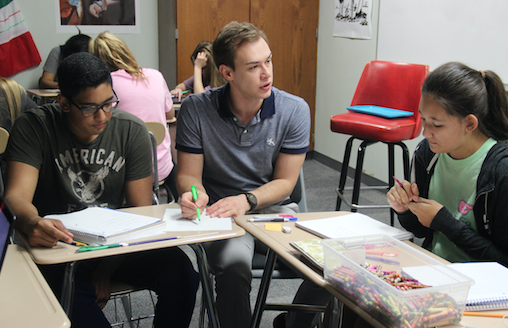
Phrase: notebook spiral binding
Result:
[495,303]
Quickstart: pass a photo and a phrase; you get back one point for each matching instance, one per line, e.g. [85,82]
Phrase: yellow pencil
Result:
[486,314]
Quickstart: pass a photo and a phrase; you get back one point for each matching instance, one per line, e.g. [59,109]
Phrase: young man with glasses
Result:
[80,153]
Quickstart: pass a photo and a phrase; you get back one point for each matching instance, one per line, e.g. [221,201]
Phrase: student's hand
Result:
[102,286]
[233,206]
[177,92]
[47,232]
[425,210]
[189,207]
[399,197]
[200,60]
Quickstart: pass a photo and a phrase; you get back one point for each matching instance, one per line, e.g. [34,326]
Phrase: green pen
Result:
[96,248]
[195,197]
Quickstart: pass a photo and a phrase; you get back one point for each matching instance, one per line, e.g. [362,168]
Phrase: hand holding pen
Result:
[401,194]
[189,206]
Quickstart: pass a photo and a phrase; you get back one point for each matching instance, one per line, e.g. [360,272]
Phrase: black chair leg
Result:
[343,171]
[358,172]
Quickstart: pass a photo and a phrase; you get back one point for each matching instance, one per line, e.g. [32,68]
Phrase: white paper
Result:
[176,222]
[351,225]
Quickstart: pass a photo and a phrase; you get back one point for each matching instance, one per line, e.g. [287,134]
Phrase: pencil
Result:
[486,314]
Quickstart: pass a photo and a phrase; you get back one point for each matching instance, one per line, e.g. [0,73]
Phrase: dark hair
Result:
[80,71]
[76,43]
[461,91]
[230,38]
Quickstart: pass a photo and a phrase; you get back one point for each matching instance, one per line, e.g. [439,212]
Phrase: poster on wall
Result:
[95,16]
[353,19]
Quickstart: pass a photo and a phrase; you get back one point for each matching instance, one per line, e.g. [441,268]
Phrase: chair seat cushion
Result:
[373,127]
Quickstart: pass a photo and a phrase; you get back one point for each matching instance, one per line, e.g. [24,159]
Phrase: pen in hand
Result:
[195,197]
[398,182]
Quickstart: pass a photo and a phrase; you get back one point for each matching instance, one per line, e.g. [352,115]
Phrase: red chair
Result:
[385,84]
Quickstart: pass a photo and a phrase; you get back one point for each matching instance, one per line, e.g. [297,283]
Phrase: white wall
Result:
[40,19]
[340,64]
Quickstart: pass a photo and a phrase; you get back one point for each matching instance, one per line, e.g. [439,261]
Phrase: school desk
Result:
[43,96]
[278,243]
[65,253]
[27,300]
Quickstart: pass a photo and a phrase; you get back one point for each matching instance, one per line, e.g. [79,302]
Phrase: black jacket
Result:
[490,242]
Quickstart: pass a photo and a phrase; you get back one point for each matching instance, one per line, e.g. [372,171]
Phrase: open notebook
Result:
[490,289]
[98,225]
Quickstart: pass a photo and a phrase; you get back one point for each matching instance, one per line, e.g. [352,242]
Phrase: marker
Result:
[96,248]
[398,182]
[195,197]
[77,243]
[271,219]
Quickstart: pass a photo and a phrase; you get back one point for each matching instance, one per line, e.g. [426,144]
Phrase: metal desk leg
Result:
[263,288]
[333,314]
[206,284]
[68,287]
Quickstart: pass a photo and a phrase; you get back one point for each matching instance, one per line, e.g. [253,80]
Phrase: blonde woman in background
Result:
[143,93]
[206,75]
[13,101]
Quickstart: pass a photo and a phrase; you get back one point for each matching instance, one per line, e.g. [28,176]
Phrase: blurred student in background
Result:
[76,43]
[143,91]
[206,75]
[13,101]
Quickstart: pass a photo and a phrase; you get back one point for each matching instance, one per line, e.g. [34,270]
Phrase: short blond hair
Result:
[114,52]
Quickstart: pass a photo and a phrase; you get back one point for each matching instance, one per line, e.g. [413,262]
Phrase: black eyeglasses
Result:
[92,110]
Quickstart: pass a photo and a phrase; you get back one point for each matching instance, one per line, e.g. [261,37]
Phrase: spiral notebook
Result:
[98,225]
[490,290]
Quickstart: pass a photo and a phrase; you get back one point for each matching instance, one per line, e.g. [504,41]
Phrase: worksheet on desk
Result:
[176,222]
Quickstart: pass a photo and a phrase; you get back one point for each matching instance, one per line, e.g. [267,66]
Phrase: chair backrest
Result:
[157,132]
[4,138]
[158,129]
[393,85]
[298,195]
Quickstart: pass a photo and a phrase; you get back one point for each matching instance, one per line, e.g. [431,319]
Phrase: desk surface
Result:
[63,252]
[44,92]
[279,242]
[27,300]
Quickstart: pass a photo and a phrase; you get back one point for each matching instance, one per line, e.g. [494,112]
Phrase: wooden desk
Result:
[27,300]
[43,96]
[65,253]
[278,242]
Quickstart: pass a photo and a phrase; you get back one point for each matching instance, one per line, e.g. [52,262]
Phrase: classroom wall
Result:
[340,65]
[40,19]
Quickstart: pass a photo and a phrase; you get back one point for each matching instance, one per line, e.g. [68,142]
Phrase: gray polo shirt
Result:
[239,158]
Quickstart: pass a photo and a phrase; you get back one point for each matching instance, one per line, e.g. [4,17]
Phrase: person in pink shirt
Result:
[143,91]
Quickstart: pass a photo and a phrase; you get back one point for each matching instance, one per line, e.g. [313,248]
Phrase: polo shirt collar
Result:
[267,108]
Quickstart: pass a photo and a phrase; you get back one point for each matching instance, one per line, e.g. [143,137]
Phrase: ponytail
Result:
[461,91]
[496,120]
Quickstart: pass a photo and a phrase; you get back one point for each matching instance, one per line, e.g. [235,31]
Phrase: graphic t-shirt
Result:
[74,175]
[453,185]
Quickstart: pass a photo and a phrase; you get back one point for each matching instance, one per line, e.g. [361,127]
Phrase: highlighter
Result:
[195,197]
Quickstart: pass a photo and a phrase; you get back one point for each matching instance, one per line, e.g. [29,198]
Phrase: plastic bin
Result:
[441,304]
